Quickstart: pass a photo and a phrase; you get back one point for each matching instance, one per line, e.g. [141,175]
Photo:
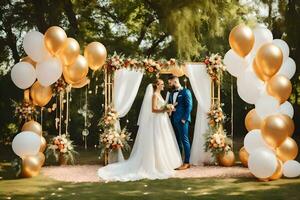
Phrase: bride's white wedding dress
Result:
[155,153]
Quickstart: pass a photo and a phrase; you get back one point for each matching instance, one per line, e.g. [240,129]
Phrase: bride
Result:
[155,153]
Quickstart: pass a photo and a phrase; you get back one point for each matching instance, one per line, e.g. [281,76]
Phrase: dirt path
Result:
[88,173]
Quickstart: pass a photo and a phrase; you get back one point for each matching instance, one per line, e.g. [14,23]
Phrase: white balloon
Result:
[23,75]
[34,46]
[288,68]
[291,169]
[262,36]
[266,105]
[49,71]
[283,46]
[249,86]
[254,140]
[26,143]
[287,109]
[262,163]
[235,64]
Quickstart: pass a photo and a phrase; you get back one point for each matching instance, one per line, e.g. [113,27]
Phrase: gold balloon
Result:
[279,170]
[33,126]
[77,70]
[40,95]
[55,38]
[69,51]
[279,87]
[78,84]
[269,59]
[43,144]
[96,54]
[226,159]
[290,124]
[30,166]
[244,156]
[241,39]
[275,129]
[29,60]
[258,71]
[27,95]
[252,120]
[288,150]
[41,158]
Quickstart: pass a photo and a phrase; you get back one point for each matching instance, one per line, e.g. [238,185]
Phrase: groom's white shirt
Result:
[176,95]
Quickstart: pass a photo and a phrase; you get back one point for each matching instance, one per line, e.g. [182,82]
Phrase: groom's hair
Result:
[172,77]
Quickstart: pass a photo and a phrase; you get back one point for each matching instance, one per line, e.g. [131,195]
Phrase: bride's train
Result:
[155,153]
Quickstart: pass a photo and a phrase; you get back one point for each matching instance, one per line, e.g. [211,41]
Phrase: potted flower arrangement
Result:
[217,142]
[62,148]
[112,139]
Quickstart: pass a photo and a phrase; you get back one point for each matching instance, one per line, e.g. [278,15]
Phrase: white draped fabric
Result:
[200,82]
[126,86]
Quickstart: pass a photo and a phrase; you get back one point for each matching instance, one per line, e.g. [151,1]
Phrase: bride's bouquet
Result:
[169,107]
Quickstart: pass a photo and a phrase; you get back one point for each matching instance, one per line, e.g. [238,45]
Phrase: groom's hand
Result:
[183,121]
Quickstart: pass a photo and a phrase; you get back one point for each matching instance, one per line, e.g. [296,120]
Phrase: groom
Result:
[181,117]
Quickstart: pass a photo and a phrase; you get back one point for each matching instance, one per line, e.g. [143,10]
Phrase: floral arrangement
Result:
[113,139]
[216,141]
[25,110]
[216,115]
[214,66]
[61,147]
[59,86]
[108,121]
[151,66]
[169,107]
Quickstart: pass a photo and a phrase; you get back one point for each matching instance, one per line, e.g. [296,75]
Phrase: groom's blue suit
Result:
[183,112]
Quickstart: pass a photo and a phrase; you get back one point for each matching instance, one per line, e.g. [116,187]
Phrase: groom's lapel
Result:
[179,93]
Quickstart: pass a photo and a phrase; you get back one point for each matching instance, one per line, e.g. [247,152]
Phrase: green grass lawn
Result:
[42,187]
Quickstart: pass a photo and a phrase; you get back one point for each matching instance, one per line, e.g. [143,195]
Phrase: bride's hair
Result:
[154,84]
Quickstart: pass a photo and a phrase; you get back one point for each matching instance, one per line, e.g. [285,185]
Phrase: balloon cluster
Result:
[263,69]
[49,57]
[29,145]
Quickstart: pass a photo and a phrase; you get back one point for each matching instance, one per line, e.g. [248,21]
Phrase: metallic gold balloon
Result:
[252,120]
[78,84]
[275,130]
[69,51]
[77,70]
[30,166]
[27,95]
[96,54]
[41,158]
[244,156]
[259,73]
[29,60]
[269,58]
[55,38]
[226,159]
[43,144]
[279,87]
[288,150]
[279,170]
[40,95]
[33,126]
[241,39]
[290,124]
